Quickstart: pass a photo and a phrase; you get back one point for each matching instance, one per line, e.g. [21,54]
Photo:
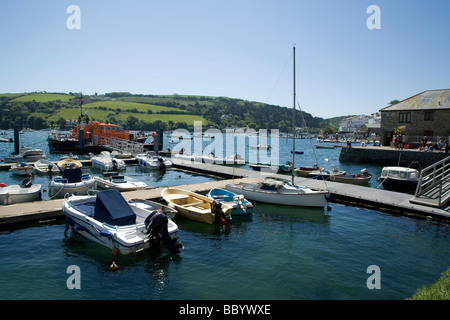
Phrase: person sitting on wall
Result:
[349,146]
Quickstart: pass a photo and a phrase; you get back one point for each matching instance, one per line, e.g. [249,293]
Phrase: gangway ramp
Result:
[433,188]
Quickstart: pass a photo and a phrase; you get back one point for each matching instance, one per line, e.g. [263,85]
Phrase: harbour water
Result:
[277,253]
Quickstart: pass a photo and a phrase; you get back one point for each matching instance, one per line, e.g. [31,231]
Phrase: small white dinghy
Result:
[73,181]
[108,219]
[45,166]
[15,193]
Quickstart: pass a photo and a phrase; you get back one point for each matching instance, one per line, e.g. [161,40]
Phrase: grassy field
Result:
[126,105]
[42,97]
[101,115]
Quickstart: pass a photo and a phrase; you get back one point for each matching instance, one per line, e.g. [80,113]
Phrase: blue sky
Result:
[238,49]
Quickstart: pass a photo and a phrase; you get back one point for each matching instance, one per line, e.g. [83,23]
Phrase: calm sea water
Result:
[276,253]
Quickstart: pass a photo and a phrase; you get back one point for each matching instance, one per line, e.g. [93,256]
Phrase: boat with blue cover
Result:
[127,226]
[73,181]
[239,204]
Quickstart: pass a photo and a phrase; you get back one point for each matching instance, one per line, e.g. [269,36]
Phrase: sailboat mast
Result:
[293,126]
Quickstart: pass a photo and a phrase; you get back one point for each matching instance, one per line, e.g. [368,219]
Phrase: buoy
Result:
[113,266]
[224,222]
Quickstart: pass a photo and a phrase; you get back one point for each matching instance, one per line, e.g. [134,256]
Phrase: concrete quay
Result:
[353,195]
[388,156]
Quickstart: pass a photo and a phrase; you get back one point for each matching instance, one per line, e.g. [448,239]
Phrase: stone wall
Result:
[390,157]
[439,122]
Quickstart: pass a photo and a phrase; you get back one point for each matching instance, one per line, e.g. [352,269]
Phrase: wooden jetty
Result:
[354,195]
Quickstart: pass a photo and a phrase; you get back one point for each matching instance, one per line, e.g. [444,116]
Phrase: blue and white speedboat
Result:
[239,204]
[121,225]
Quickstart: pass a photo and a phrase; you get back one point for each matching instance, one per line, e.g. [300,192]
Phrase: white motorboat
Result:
[21,169]
[24,192]
[399,179]
[260,146]
[129,227]
[73,181]
[212,158]
[121,154]
[186,157]
[280,191]
[104,161]
[111,180]
[26,155]
[153,161]
[45,166]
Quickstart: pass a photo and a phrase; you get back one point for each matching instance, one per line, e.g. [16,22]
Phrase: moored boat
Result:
[111,180]
[24,192]
[21,169]
[305,171]
[45,166]
[239,204]
[127,226]
[152,161]
[280,191]
[104,161]
[359,179]
[197,207]
[73,181]
[399,178]
[69,164]
[25,155]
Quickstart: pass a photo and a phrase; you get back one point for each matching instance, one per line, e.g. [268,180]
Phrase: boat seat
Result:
[192,204]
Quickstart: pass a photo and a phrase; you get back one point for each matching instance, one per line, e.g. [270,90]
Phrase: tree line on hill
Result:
[220,112]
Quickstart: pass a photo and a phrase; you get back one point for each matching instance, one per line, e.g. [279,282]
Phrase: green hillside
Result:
[147,112]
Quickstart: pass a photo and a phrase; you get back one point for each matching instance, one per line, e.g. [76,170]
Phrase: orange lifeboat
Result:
[101,129]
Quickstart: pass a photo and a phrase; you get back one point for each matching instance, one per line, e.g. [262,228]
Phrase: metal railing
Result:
[435,177]
[122,145]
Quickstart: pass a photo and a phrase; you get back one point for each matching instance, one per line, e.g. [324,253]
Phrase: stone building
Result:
[425,114]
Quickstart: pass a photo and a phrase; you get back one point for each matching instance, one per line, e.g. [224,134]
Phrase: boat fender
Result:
[104,233]
[2,185]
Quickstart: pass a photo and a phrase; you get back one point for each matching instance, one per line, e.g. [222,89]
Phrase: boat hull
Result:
[316,199]
[126,239]
[227,197]
[58,187]
[192,205]
[16,194]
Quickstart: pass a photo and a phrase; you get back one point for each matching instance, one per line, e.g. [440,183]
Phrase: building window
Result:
[429,116]
[404,117]
[426,99]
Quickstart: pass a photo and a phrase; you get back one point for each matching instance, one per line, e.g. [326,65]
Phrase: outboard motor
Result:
[162,165]
[156,229]
[364,172]
[216,210]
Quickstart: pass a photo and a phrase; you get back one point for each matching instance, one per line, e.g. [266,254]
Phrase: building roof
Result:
[427,100]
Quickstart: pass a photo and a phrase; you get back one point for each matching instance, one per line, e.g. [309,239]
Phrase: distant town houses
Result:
[369,124]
